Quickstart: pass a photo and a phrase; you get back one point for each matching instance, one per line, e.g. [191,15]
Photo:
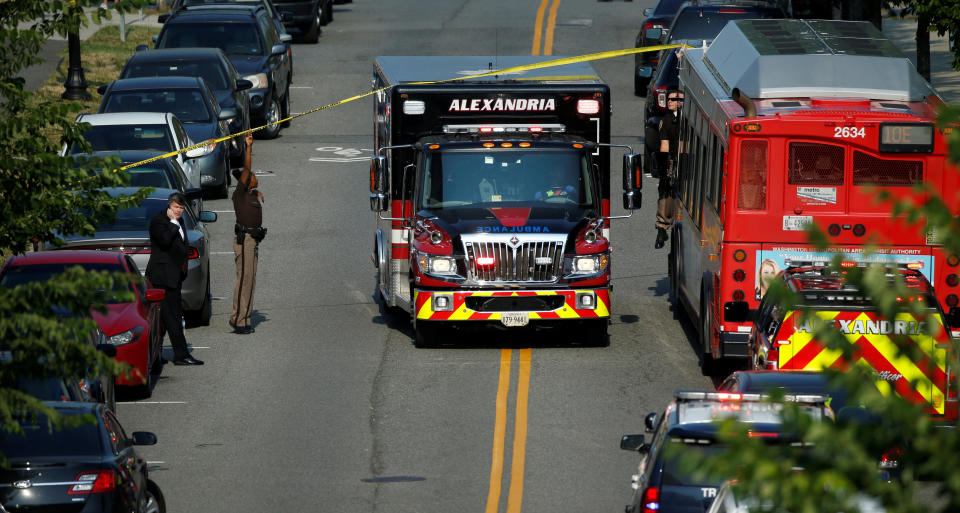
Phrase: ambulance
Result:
[907,355]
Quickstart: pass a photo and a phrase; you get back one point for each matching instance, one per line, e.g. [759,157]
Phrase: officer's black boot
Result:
[661,238]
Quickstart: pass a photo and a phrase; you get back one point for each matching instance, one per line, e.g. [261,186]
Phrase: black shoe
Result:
[661,238]
[188,360]
[243,330]
[232,325]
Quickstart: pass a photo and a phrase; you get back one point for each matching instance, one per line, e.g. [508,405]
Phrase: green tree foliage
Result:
[838,461]
[44,197]
[943,17]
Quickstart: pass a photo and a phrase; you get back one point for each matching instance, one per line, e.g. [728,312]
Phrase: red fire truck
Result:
[497,191]
[788,123]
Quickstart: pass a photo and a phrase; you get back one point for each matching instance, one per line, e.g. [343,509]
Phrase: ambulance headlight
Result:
[589,264]
[432,264]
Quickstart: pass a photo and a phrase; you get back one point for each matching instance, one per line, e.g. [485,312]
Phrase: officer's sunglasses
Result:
[680,100]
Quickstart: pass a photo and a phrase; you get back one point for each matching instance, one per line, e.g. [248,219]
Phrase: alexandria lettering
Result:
[862,327]
[502,104]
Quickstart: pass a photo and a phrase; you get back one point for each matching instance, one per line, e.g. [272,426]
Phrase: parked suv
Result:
[662,484]
[254,46]
[307,16]
[645,63]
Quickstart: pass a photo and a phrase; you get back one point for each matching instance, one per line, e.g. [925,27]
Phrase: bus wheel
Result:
[708,365]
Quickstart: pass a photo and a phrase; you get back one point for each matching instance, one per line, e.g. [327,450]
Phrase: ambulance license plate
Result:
[515,318]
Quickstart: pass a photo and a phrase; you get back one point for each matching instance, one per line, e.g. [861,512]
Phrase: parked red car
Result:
[134,328]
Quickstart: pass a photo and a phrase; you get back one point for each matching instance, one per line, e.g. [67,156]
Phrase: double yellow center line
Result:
[519,451]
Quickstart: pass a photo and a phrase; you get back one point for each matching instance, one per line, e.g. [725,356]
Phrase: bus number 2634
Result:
[849,132]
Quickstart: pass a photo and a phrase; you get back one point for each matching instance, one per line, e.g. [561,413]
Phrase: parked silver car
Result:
[130,233]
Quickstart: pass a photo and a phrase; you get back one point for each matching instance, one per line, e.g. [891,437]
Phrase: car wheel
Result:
[273,115]
[154,502]
[285,109]
[157,367]
[329,12]
[312,33]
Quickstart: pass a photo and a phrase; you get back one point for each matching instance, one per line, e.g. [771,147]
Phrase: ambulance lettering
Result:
[502,105]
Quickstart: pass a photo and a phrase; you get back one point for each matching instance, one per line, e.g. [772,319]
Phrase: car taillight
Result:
[588,106]
[651,500]
[193,254]
[94,481]
[891,458]
[661,92]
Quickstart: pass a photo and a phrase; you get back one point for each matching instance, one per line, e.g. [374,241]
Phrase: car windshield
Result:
[127,137]
[506,178]
[187,104]
[31,273]
[667,7]
[232,38]
[210,70]
[692,24]
[40,440]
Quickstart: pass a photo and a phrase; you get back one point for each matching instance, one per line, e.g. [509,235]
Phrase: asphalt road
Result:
[328,406]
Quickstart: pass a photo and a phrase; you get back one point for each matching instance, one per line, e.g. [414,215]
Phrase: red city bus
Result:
[788,123]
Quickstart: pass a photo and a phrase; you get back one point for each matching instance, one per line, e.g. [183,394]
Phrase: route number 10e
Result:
[848,132]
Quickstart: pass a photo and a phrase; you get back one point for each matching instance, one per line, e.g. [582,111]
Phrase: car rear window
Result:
[232,38]
[127,137]
[210,70]
[31,273]
[39,440]
[705,24]
[667,7]
[188,105]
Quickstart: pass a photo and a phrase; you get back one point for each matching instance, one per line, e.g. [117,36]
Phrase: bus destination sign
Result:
[906,137]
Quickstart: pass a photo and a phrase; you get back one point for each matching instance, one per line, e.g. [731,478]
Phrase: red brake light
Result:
[651,500]
[536,129]
[485,261]
[731,11]
[193,254]
[761,434]
[588,106]
[486,129]
[95,481]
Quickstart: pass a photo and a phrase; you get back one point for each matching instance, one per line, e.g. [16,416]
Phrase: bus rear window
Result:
[752,194]
[870,170]
[815,164]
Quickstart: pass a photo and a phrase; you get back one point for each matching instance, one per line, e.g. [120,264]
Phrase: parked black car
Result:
[279,18]
[192,101]
[211,64]
[644,64]
[90,468]
[249,39]
[307,16]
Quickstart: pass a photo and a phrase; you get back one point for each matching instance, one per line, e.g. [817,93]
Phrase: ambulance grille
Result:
[504,261]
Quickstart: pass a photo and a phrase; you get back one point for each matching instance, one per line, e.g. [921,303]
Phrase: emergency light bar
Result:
[504,128]
[683,396]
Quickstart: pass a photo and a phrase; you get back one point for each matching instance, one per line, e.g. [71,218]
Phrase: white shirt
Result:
[179,228]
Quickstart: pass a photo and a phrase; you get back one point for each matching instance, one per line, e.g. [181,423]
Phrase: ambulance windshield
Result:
[506,177]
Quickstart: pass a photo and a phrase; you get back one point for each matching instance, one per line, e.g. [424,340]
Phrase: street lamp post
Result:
[75,88]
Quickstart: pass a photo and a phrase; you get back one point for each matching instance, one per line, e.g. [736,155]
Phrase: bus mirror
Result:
[379,202]
[378,174]
[632,171]
[631,199]
[736,311]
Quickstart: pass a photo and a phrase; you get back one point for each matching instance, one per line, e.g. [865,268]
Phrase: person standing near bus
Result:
[669,144]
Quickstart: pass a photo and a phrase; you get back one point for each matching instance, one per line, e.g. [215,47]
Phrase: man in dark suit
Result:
[167,268]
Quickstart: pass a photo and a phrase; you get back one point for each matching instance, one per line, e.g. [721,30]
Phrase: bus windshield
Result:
[460,178]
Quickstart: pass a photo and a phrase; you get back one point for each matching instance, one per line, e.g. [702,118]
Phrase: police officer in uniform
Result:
[247,201]
[669,146]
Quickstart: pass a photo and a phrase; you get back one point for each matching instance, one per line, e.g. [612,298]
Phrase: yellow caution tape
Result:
[516,69]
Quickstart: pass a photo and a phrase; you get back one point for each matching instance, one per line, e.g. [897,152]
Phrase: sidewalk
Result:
[944,79]
[36,75]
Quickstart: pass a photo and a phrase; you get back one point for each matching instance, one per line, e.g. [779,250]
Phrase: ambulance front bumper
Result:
[512,307]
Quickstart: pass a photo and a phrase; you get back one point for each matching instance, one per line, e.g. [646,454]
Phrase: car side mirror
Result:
[141,48]
[285,38]
[143,438]
[227,113]
[155,295]
[243,84]
[632,442]
[650,421]
[648,12]
[278,49]
[108,349]
[737,311]
[101,89]
[208,216]
[653,34]
[163,18]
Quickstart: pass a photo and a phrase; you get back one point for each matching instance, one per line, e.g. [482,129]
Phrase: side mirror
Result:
[285,38]
[379,202]
[143,438]
[141,48]
[632,171]
[737,311]
[650,421]
[202,151]
[648,12]
[193,193]
[101,89]
[632,442]
[278,49]
[653,34]
[208,216]
[109,349]
[243,84]
[163,18]
[156,295]
[227,113]
[632,199]
[378,175]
